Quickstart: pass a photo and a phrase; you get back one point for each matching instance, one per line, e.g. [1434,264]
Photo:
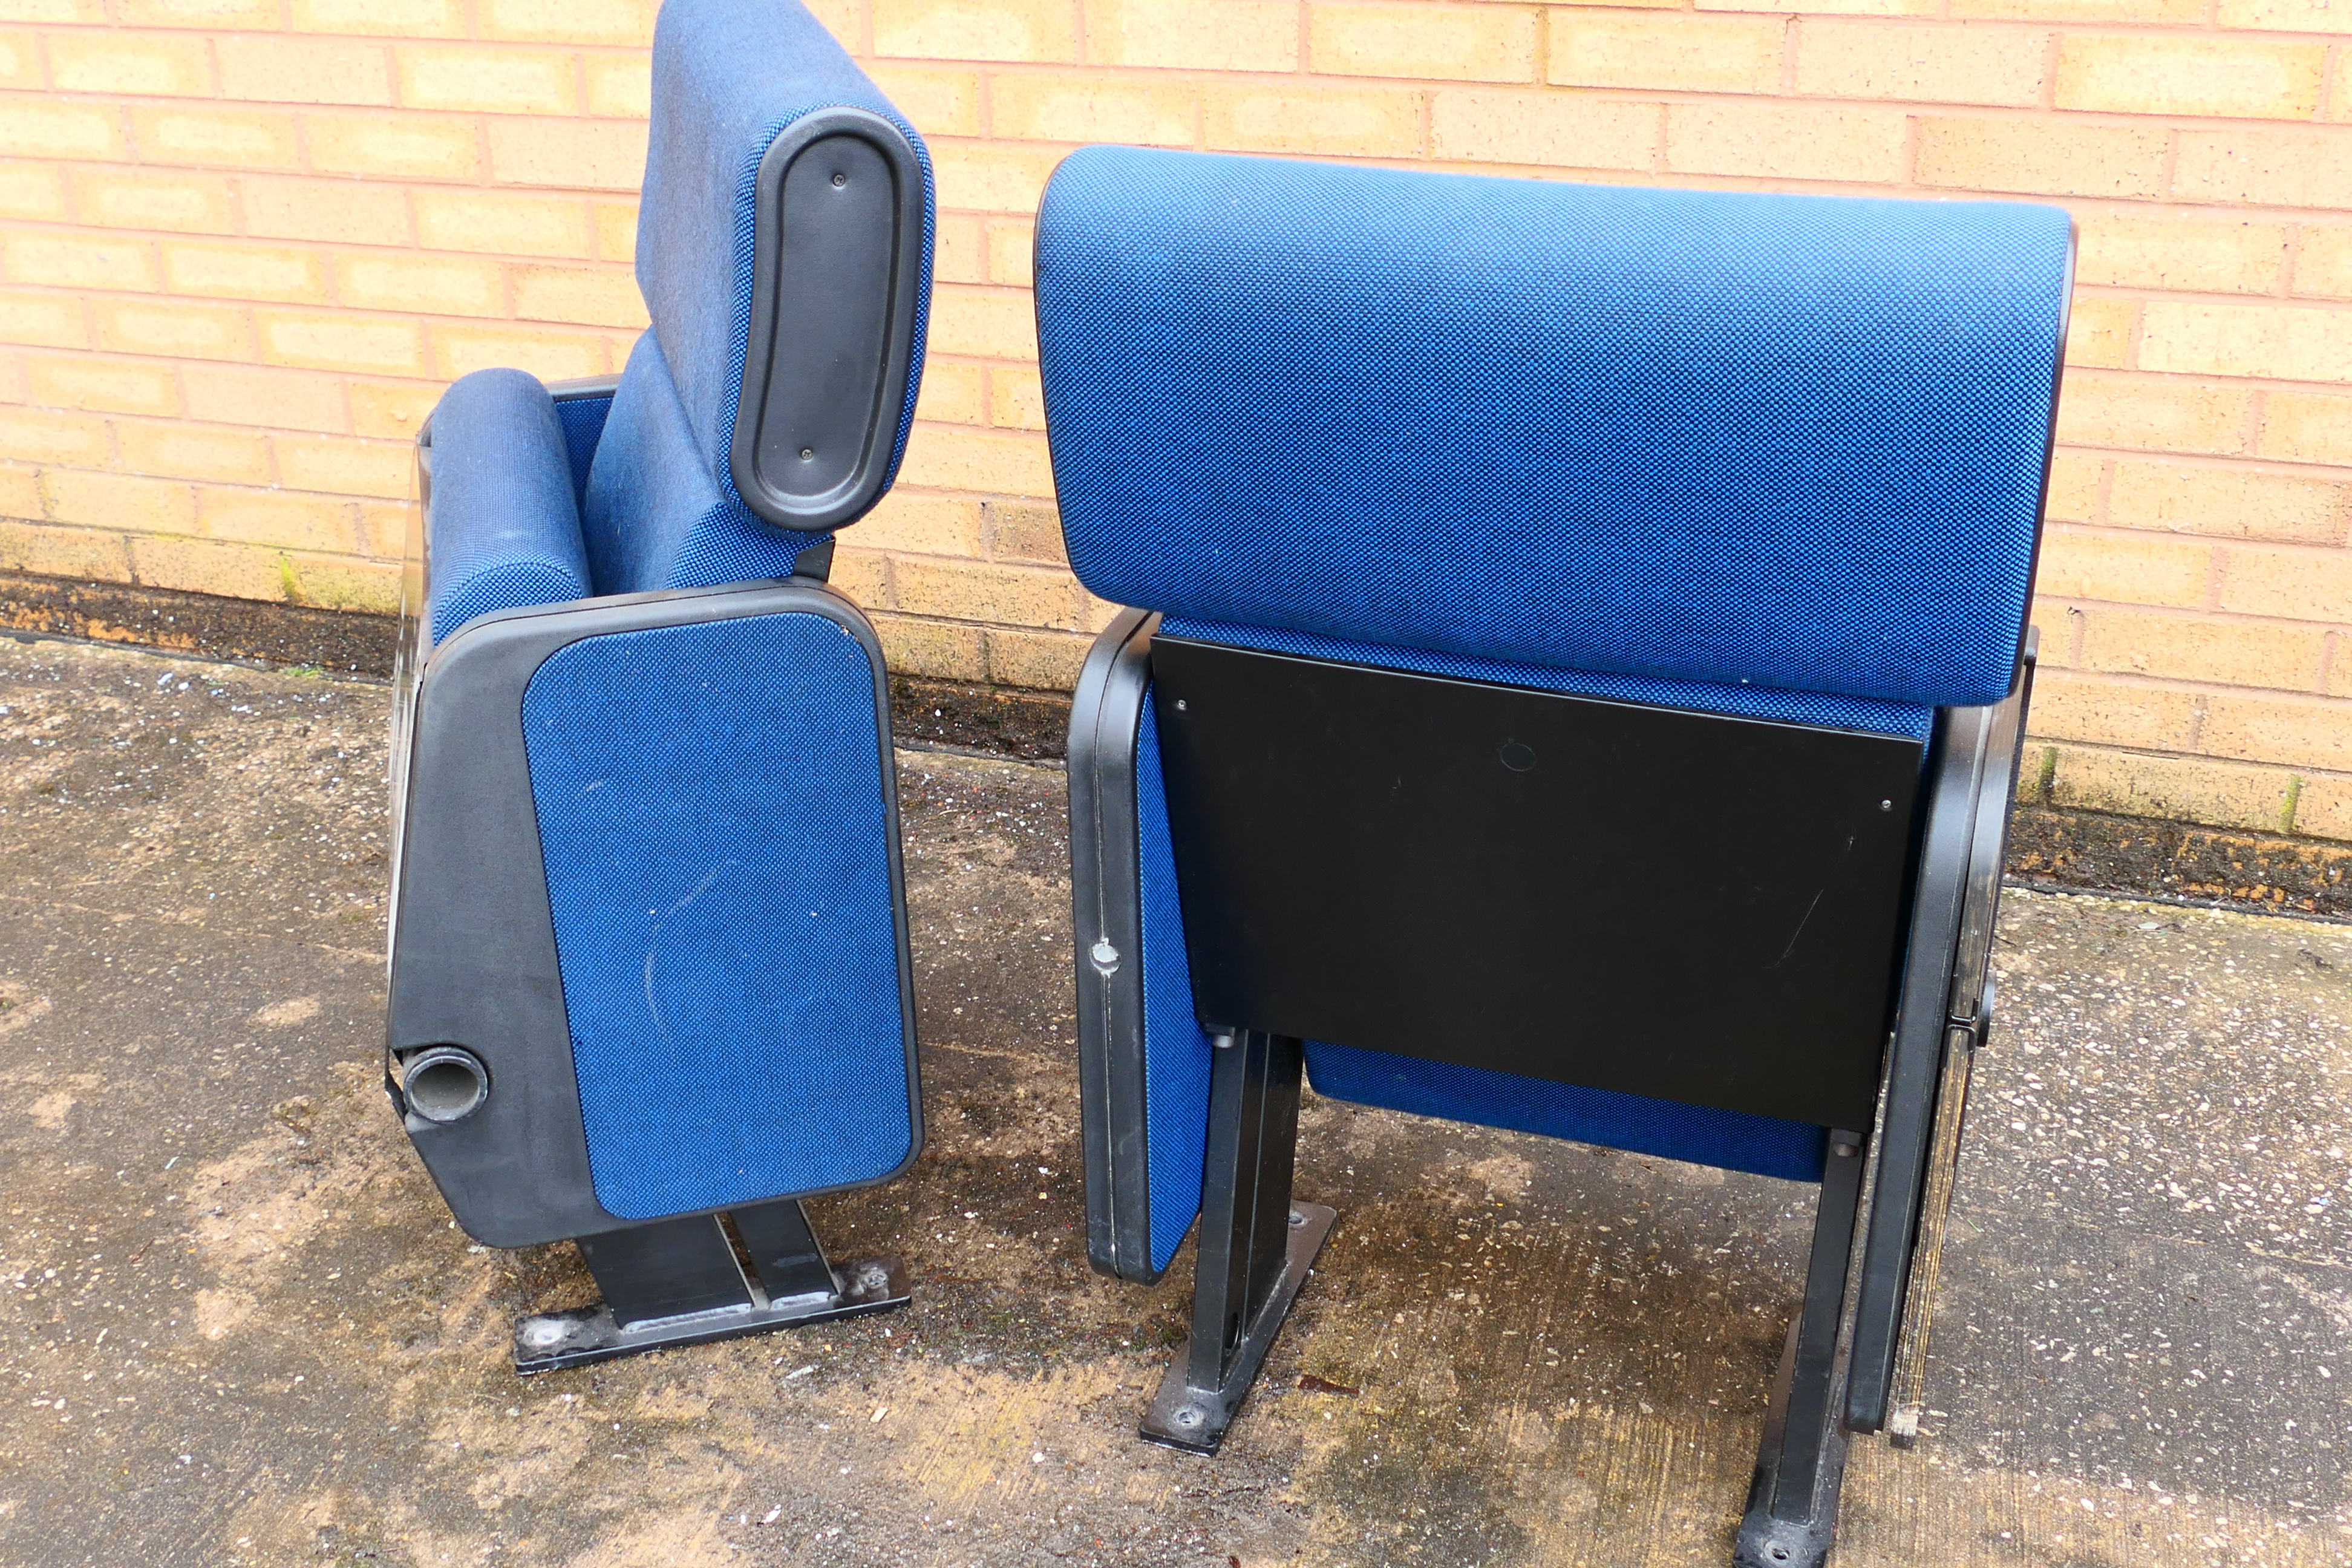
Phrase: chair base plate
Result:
[549,1341]
[1195,1419]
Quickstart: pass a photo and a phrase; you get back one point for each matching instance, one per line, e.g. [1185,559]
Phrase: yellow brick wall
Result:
[244,242]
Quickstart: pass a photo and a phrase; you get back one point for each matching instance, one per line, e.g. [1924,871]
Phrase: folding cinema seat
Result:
[1573,684]
[649,962]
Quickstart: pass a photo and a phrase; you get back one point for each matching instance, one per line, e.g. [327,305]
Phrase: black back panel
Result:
[1701,909]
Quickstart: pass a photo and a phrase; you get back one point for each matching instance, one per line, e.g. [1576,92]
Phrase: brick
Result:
[63,552]
[844,20]
[1786,141]
[2111,711]
[2192,648]
[20,62]
[338,583]
[1016,399]
[863,575]
[1939,63]
[284,273]
[938,102]
[491,79]
[548,353]
[959,250]
[387,526]
[196,566]
[983,591]
[1012,253]
[87,11]
[2151,414]
[382,18]
[348,212]
[1673,51]
[259,69]
[2175,789]
[32,191]
[2290,584]
[172,329]
[1552,129]
[1446,42]
[404,146]
[1822,7]
[2099,331]
[20,492]
[41,129]
[1194,35]
[278,517]
[1035,662]
[2265,167]
[43,319]
[215,138]
[930,648]
[2139,13]
[2074,491]
[591,296]
[1368,123]
[78,260]
[629,23]
[2040,156]
[2222,256]
[2122,568]
[504,223]
[206,14]
[130,65]
[2322,261]
[2230,503]
[986,324]
[432,285]
[954,392]
[1094,107]
[615,225]
[1032,30]
[188,451]
[1024,531]
[599,154]
[621,86]
[2307,427]
[2323,806]
[253,395]
[113,385]
[926,524]
[128,198]
[942,457]
[2155,74]
[129,501]
[393,409]
[39,436]
[2298,731]
[2281,341]
[2286,15]
[975,177]
[339,343]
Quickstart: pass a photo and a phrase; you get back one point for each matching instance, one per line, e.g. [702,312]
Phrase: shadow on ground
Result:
[237,1325]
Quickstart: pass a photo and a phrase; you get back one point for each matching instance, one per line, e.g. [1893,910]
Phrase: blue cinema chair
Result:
[1573,684]
[649,962]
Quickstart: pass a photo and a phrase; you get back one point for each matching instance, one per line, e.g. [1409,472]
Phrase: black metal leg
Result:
[682,1282]
[1792,1507]
[1256,1246]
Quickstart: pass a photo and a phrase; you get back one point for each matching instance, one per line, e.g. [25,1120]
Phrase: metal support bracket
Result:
[1792,1507]
[684,1282]
[1257,1245]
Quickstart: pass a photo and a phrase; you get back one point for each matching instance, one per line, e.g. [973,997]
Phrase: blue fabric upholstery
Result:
[729,77]
[1795,442]
[711,808]
[582,419]
[505,526]
[1176,1050]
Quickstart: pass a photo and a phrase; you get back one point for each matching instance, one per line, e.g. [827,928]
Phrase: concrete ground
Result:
[237,1325]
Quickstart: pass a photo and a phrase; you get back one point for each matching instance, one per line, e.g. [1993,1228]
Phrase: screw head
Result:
[1297,1219]
[1188,1417]
[839,180]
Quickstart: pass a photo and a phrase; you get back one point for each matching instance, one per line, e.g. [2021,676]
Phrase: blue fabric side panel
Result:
[1730,1138]
[1721,436]
[1742,701]
[655,517]
[729,77]
[1176,1051]
[711,808]
[505,525]
[582,419]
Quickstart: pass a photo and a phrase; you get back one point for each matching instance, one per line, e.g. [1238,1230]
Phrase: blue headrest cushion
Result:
[1790,441]
[728,77]
[505,526]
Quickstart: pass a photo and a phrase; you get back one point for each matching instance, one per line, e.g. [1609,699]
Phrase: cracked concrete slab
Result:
[238,1327]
